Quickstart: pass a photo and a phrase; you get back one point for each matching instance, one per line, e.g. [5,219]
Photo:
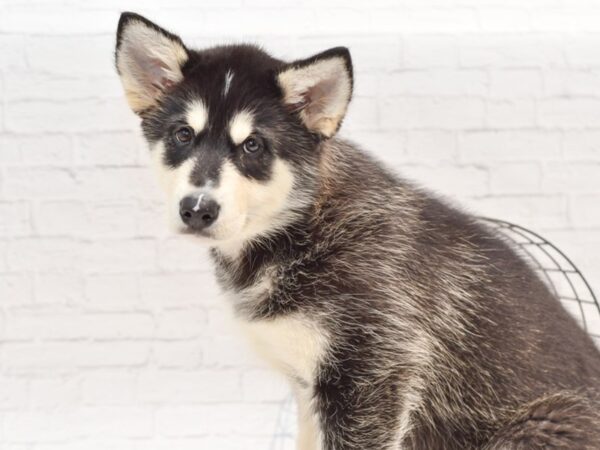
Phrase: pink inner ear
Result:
[319,95]
[155,73]
[151,71]
[299,105]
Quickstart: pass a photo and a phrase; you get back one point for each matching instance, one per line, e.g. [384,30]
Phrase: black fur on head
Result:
[320,85]
[294,105]
[227,100]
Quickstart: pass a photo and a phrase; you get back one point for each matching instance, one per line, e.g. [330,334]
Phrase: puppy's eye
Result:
[184,135]
[251,145]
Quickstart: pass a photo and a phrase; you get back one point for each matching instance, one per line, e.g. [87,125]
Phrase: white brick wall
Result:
[112,335]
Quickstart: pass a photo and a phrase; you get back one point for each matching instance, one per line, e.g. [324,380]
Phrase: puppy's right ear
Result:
[148,59]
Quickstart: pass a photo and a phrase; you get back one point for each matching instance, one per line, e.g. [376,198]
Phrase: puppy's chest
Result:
[290,341]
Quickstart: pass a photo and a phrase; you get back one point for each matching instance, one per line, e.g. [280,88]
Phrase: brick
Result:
[53,54]
[15,219]
[178,253]
[571,82]
[431,146]
[571,177]
[535,211]
[39,183]
[516,178]
[430,51]
[585,211]
[108,388]
[505,19]
[450,180]
[366,52]
[415,112]
[363,114]
[112,292]
[43,254]
[442,82]
[116,256]
[388,144]
[116,183]
[51,393]
[59,288]
[569,113]
[43,116]
[575,20]
[69,424]
[437,20]
[580,50]
[166,291]
[14,393]
[48,327]
[203,386]
[247,419]
[184,324]
[582,145]
[177,354]
[81,219]
[511,145]
[16,289]
[28,85]
[516,83]
[12,50]
[518,51]
[46,150]
[225,351]
[61,357]
[511,114]
[112,149]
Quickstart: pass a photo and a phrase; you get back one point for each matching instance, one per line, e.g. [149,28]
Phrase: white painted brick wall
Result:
[112,335]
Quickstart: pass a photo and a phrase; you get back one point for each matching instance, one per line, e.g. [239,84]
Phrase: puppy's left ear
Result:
[319,89]
[149,60]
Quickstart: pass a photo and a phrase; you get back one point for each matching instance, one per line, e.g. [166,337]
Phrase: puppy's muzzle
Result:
[198,211]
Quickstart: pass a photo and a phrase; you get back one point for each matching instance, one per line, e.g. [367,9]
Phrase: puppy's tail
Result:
[560,421]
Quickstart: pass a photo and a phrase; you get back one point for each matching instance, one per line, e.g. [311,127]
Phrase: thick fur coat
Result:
[400,321]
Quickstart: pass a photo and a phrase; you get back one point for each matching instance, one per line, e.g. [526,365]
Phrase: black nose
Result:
[198,212]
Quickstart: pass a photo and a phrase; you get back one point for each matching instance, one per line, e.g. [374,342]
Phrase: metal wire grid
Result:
[560,273]
[555,268]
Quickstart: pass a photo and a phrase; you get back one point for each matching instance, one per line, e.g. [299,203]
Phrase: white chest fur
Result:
[291,343]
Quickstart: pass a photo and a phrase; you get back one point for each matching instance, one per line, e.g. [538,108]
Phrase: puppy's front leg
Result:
[358,412]
[309,434]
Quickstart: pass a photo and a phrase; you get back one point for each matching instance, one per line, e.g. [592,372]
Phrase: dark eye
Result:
[251,145]
[184,135]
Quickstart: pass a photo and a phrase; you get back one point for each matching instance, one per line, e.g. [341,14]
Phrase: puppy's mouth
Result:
[204,233]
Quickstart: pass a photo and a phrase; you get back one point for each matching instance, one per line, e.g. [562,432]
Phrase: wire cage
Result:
[553,266]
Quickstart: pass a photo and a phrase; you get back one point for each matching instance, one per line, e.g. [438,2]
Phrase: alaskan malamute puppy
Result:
[400,321]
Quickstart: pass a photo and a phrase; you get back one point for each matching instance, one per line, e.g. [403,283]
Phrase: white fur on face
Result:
[228,79]
[175,182]
[247,207]
[148,62]
[197,115]
[253,207]
[326,86]
[241,126]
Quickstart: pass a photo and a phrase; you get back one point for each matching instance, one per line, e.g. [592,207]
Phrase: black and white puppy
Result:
[401,322]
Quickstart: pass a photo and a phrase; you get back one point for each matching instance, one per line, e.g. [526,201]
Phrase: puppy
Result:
[400,321]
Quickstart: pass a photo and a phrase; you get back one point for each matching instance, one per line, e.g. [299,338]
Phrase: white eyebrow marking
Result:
[197,207]
[197,115]
[228,78]
[240,126]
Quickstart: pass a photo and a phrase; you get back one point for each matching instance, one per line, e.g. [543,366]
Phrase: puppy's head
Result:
[233,132]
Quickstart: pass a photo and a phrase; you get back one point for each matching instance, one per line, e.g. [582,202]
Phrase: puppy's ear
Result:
[148,59]
[319,89]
